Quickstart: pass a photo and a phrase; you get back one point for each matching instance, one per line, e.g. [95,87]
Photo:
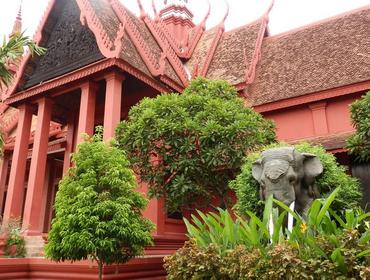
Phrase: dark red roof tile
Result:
[229,62]
[201,50]
[326,55]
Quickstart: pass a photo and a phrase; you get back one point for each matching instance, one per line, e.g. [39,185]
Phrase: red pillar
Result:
[86,119]
[32,218]
[14,199]
[112,110]
[69,144]
[4,167]
[320,122]
[155,210]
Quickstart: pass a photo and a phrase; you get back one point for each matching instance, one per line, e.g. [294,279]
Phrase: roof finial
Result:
[142,11]
[156,15]
[203,24]
[269,9]
[17,27]
[222,23]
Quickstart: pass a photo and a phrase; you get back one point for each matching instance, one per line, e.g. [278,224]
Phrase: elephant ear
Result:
[312,167]
[257,169]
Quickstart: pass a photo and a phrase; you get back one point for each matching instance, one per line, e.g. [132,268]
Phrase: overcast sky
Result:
[285,15]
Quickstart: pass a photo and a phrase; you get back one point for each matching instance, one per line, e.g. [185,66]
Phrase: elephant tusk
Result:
[271,226]
[290,217]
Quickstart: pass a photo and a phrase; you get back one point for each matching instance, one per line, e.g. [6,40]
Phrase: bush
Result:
[324,246]
[359,143]
[14,245]
[333,176]
[188,146]
[98,211]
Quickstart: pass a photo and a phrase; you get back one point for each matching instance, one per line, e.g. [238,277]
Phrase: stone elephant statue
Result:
[289,176]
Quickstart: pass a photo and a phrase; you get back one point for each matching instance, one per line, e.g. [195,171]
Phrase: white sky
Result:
[285,15]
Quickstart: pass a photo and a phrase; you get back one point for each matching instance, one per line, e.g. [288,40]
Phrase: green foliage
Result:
[193,263]
[98,211]
[324,246]
[11,52]
[359,143]
[188,146]
[14,245]
[334,176]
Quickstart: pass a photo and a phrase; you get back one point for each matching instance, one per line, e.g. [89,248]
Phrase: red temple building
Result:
[101,59]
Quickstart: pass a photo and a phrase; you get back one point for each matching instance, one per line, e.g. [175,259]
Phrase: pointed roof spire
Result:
[17,26]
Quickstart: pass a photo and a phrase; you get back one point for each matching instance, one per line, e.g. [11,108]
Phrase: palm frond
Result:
[11,52]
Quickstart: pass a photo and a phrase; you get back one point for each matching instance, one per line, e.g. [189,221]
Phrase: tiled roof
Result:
[130,54]
[200,53]
[143,36]
[107,16]
[322,56]
[234,53]
[326,55]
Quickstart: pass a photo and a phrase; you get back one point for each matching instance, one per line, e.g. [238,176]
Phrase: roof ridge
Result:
[201,28]
[250,73]
[108,48]
[212,50]
[170,37]
[168,50]
[155,67]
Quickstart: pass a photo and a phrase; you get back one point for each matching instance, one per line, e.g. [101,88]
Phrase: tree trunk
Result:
[100,265]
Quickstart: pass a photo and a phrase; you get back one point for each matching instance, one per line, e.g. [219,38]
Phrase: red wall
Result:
[292,123]
[314,119]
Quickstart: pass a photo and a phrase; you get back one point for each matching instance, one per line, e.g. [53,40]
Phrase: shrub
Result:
[188,146]
[324,246]
[191,262]
[14,245]
[98,211]
[359,143]
[333,176]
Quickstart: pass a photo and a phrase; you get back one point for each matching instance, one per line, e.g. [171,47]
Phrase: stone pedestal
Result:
[34,246]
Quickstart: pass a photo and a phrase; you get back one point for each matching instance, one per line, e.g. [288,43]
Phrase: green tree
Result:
[359,143]
[98,211]
[333,176]
[188,146]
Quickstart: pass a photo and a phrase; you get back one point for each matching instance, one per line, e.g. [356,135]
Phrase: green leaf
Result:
[338,258]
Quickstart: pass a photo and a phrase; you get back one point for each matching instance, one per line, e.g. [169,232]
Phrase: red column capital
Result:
[115,76]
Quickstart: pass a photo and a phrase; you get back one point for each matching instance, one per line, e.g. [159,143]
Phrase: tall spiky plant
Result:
[11,52]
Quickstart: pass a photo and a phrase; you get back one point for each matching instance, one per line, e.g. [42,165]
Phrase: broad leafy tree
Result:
[359,143]
[98,211]
[188,146]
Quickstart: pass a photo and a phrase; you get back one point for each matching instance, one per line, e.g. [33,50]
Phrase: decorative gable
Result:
[69,44]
